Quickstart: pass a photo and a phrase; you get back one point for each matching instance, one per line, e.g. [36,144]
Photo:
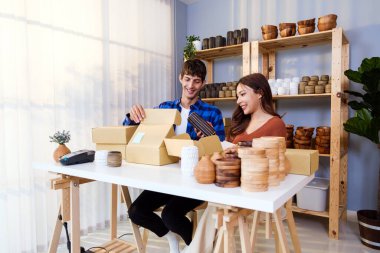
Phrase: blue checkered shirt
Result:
[208,112]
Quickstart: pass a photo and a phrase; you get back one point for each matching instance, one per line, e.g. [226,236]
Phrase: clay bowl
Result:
[304,26]
[270,36]
[306,30]
[268,28]
[323,130]
[327,18]
[307,22]
[326,26]
[287,32]
[282,26]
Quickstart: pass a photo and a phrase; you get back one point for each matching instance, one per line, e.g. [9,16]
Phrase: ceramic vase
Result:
[204,172]
[61,150]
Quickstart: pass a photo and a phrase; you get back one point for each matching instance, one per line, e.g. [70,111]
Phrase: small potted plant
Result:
[366,123]
[192,45]
[61,138]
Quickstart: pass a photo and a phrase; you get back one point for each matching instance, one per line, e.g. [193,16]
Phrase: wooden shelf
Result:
[220,52]
[299,41]
[277,97]
[325,155]
[324,214]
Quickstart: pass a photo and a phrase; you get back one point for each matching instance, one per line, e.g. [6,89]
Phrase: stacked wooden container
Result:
[303,137]
[289,136]
[322,140]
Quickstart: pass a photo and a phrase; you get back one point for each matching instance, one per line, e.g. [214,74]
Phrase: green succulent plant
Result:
[60,137]
[189,50]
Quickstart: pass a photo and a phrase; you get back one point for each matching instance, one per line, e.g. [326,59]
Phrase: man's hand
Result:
[199,133]
[137,113]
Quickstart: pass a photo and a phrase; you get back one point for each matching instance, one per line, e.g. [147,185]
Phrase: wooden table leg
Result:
[114,211]
[219,240]
[75,224]
[135,229]
[268,227]
[281,231]
[56,234]
[276,239]
[292,227]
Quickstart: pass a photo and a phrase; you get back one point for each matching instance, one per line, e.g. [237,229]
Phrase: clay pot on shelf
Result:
[204,172]
[61,150]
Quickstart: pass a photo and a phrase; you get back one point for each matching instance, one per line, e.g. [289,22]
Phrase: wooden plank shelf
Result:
[220,52]
[324,214]
[277,97]
[299,41]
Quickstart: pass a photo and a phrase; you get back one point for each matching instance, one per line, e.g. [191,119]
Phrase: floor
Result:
[312,232]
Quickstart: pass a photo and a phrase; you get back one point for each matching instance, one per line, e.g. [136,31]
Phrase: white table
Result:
[168,179]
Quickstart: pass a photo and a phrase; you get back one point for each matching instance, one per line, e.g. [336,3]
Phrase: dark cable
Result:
[89,250]
[124,235]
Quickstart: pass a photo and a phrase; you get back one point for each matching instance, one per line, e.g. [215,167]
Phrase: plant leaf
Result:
[354,76]
[354,93]
[357,105]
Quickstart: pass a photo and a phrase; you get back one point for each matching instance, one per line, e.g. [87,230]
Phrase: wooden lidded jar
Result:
[204,172]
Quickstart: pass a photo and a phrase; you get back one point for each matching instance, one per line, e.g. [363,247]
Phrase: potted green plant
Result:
[61,138]
[190,49]
[366,123]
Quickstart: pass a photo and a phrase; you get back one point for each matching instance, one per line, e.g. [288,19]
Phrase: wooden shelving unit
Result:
[337,207]
[250,52]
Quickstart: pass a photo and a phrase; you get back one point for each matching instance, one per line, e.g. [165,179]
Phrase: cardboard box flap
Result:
[206,145]
[113,134]
[161,117]
[151,135]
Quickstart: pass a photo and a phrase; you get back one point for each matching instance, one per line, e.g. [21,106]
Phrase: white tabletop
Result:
[168,179]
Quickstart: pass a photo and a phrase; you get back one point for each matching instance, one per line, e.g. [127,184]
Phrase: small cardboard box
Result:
[206,146]
[113,147]
[147,144]
[113,134]
[302,161]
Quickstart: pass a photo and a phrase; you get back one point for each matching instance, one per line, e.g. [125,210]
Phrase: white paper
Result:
[138,137]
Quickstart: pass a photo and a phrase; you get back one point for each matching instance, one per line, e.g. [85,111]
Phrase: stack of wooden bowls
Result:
[327,22]
[227,172]
[114,159]
[289,136]
[322,140]
[303,137]
[271,147]
[287,29]
[254,169]
[269,32]
[281,155]
[204,172]
[306,26]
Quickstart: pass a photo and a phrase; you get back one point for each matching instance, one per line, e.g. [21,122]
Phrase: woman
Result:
[254,117]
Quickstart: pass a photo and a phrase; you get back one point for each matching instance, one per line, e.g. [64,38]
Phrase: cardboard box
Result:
[302,161]
[113,147]
[147,144]
[206,146]
[113,134]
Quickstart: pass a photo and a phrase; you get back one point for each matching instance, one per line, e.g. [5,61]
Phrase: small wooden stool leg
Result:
[281,231]
[136,232]
[219,240]
[56,234]
[244,235]
[276,238]
[292,227]
[256,215]
[145,236]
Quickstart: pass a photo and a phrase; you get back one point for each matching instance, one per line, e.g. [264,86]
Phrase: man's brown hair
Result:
[194,68]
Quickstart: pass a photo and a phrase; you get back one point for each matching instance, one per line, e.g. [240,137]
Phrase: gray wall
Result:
[361,24]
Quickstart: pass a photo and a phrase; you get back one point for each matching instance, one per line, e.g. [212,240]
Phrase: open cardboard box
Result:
[302,161]
[206,145]
[147,144]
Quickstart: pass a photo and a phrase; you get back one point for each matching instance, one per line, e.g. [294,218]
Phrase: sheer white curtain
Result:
[70,65]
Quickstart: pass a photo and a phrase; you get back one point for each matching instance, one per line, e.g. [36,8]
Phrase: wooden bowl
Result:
[327,18]
[287,32]
[227,162]
[307,22]
[268,28]
[323,130]
[306,30]
[304,26]
[270,36]
[326,26]
[282,26]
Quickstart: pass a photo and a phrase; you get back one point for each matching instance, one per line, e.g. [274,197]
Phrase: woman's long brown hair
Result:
[260,85]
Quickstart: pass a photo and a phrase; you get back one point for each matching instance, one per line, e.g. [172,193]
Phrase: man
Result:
[173,220]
